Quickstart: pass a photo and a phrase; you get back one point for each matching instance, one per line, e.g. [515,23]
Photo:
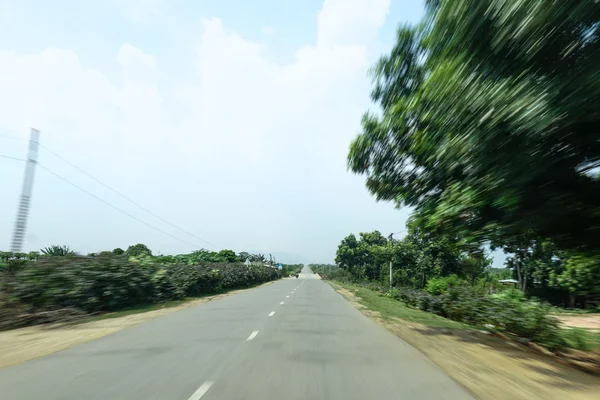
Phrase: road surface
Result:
[293,339]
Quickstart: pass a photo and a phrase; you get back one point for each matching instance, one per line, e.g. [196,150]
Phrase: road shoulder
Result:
[488,367]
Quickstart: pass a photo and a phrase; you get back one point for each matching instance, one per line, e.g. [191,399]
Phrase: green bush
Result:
[509,312]
[91,284]
[437,286]
[109,282]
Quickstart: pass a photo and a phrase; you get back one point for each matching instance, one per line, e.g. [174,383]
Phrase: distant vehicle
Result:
[297,276]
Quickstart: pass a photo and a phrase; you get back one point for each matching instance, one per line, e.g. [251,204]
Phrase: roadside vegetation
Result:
[436,275]
[57,284]
[490,135]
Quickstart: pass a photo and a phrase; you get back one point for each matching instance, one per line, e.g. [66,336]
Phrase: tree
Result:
[533,259]
[474,266]
[59,251]
[228,256]
[373,251]
[491,129]
[580,277]
[138,250]
[348,256]
[257,258]
[118,251]
[243,256]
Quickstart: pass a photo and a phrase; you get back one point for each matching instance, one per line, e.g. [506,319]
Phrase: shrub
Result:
[437,286]
[510,312]
[92,284]
[55,286]
[342,275]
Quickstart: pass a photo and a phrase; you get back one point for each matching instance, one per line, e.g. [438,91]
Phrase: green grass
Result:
[574,311]
[575,338]
[389,308]
[581,339]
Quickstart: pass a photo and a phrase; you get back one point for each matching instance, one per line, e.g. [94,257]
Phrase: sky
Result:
[229,119]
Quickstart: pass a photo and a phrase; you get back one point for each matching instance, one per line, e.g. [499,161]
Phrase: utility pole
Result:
[26,191]
[390,246]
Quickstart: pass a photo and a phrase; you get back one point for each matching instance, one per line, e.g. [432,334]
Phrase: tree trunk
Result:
[572,298]
[519,277]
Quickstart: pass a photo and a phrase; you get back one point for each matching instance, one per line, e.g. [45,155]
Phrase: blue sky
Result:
[96,30]
[230,119]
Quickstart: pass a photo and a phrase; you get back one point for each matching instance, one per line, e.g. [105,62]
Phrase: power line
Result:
[125,197]
[11,137]
[11,158]
[112,206]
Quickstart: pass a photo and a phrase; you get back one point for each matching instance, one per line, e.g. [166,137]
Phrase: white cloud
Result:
[268,30]
[351,21]
[247,152]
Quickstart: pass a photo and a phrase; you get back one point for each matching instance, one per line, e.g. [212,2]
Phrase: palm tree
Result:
[55,250]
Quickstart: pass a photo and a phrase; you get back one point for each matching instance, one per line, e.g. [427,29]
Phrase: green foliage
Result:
[108,282]
[490,130]
[581,339]
[439,285]
[290,269]
[228,256]
[580,276]
[243,256]
[118,251]
[57,251]
[415,259]
[508,312]
[138,250]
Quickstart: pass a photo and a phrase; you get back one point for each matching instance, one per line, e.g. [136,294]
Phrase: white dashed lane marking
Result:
[201,391]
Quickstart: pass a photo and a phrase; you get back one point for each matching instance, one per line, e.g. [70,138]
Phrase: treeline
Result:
[420,261]
[443,276]
[137,250]
[56,283]
[322,268]
[416,259]
[291,269]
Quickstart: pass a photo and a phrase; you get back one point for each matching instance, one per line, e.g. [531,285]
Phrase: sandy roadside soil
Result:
[489,367]
[591,321]
[20,345]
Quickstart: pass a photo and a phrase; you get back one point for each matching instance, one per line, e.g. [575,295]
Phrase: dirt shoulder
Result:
[489,367]
[20,345]
[591,321]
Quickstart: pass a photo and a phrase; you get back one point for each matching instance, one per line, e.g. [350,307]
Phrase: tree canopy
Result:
[489,122]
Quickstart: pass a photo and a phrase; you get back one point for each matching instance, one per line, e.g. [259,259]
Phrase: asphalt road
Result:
[293,339]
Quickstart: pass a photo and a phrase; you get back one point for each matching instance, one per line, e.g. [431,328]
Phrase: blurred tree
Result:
[56,250]
[228,256]
[581,276]
[491,130]
[243,256]
[348,255]
[138,250]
